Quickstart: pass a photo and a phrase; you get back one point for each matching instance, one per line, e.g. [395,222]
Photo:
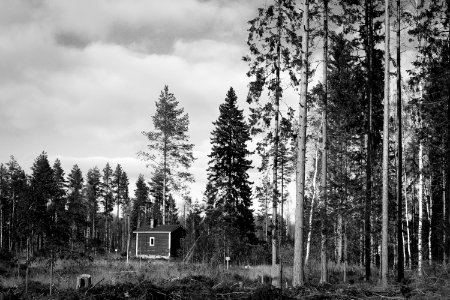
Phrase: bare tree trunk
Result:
[27,265]
[400,265]
[266,217]
[345,252]
[51,271]
[1,225]
[340,239]
[368,200]
[313,198]
[280,230]
[447,185]
[430,213]
[164,185]
[385,193]
[408,236]
[128,237]
[323,189]
[298,276]
[420,200]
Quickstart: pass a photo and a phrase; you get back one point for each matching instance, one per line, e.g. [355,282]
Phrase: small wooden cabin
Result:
[162,241]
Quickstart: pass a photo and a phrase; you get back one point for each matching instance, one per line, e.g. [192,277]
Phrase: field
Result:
[155,279]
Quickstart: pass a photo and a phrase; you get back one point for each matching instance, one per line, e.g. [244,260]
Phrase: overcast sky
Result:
[79,79]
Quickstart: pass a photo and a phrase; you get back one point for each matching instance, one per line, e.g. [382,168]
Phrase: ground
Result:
[150,279]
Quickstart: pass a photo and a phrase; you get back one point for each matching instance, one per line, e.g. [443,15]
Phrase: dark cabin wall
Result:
[161,244]
[175,240]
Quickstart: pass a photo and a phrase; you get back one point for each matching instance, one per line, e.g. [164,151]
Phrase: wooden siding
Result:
[161,247]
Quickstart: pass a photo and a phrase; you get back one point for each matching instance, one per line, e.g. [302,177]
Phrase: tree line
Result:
[75,213]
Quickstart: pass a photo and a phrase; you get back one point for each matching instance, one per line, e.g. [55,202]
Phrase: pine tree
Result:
[17,190]
[229,191]
[274,47]
[3,202]
[93,193]
[298,275]
[107,201]
[168,146]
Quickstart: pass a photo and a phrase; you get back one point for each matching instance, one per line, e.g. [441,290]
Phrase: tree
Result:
[3,201]
[59,226]
[107,201]
[229,191]
[298,276]
[120,192]
[17,191]
[365,14]
[141,204]
[385,215]
[42,192]
[168,144]
[93,193]
[323,250]
[160,205]
[273,45]
[400,264]
[77,209]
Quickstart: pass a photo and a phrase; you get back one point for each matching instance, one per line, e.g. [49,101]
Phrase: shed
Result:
[159,242]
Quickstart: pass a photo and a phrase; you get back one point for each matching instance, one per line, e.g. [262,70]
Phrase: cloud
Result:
[79,79]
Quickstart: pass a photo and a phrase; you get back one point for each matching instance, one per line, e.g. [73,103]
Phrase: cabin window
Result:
[151,242]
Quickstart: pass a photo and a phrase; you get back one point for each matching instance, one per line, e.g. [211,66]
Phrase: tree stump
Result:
[83,281]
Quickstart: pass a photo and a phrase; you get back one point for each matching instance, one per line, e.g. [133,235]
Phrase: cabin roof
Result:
[161,228]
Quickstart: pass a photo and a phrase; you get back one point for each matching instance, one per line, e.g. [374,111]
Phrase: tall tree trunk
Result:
[275,272]
[280,231]
[164,184]
[323,188]
[400,265]
[421,179]
[368,200]
[429,204]
[266,217]
[345,256]
[1,224]
[297,278]
[408,236]
[385,193]
[311,212]
[447,187]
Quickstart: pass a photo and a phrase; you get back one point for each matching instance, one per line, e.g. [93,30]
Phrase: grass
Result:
[434,283]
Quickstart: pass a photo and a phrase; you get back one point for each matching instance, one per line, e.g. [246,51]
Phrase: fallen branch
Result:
[85,293]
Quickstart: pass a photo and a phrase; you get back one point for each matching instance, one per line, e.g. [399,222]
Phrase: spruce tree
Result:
[59,226]
[77,208]
[228,190]
[42,191]
[139,214]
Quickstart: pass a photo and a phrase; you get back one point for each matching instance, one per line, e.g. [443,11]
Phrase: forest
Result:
[365,153]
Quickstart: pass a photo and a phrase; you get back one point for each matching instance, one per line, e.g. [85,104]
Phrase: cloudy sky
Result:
[79,79]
